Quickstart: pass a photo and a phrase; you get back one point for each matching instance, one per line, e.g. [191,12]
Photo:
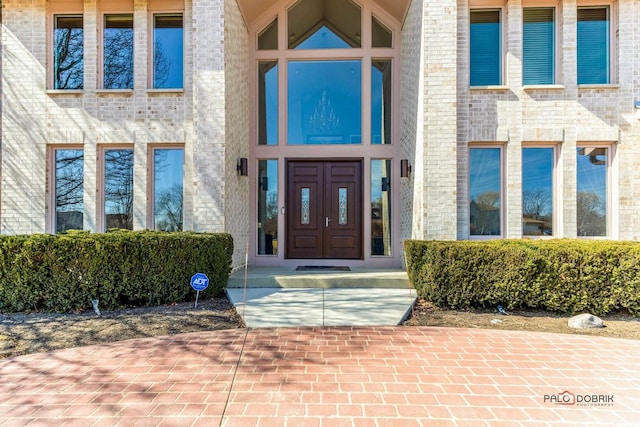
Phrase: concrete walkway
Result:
[375,376]
[273,307]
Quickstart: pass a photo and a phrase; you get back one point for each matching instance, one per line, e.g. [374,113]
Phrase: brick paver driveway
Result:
[381,376]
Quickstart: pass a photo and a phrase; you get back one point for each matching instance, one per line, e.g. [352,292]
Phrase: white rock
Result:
[585,321]
[496,321]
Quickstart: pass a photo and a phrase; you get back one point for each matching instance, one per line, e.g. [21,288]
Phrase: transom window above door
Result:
[320,80]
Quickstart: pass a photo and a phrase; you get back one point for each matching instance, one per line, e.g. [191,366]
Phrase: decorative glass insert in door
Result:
[342,206]
[304,215]
[268,207]
[381,207]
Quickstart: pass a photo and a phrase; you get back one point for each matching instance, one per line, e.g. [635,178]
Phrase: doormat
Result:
[322,268]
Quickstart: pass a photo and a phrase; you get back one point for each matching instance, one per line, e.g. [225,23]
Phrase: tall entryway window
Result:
[324,133]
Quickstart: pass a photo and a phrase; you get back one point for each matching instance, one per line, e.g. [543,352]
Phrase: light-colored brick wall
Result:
[411,130]
[237,128]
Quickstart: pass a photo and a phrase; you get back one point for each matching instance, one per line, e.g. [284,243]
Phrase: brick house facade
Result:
[503,158]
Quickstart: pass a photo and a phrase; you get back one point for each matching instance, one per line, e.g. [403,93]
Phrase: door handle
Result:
[326,221]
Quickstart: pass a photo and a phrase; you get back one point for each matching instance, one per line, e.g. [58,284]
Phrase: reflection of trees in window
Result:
[118,52]
[536,211]
[118,189]
[168,189]
[68,53]
[69,186]
[268,207]
[167,52]
[485,214]
[592,219]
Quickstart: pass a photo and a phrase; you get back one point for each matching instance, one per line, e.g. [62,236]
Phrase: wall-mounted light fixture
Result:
[243,166]
[405,168]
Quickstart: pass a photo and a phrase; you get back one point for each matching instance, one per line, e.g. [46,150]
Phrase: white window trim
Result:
[478,6]
[151,37]
[613,50]
[101,27]
[151,224]
[51,23]
[557,46]
[503,202]
[612,228]
[101,213]
[50,219]
[555,192]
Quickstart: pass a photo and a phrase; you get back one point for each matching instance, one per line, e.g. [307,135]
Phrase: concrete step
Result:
[269,277]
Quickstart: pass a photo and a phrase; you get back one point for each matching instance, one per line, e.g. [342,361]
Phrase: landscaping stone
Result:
[585,321]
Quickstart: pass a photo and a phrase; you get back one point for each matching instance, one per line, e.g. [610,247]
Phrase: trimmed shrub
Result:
[564,276]
[63,273]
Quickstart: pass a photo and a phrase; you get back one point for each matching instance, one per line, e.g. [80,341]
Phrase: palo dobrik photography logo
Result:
[564,398]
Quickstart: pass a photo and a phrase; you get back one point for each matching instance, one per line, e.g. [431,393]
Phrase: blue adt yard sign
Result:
[199,282]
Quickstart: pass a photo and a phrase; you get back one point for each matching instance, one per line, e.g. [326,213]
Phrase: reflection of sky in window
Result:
[118,181]
[324,38]
[484,171]
[537,173]
[325,102]
[592,178]
[376,105]
[271,100]
[168,165]
[169,41]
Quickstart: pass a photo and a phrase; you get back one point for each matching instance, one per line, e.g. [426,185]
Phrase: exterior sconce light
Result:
[243,166]
[405,168]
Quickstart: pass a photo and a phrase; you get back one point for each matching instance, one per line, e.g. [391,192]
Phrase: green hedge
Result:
[63,273]
[564,276]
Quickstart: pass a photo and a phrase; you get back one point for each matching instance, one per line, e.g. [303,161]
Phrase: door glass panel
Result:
[304,196]
[267,207]
[268,103]
[324,24]
[381,102]
[69,183]
[325,102]
[342,206]
[381,207]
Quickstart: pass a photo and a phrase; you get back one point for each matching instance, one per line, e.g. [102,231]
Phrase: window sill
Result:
[599,86]
[177,91]
[125,92]
[542,87]
[490,87]
[72,92]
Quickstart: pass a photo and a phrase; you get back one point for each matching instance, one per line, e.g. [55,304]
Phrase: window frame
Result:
[101,215]
[557,16]
[610,232]
[554,188]
[150,48]
[479,6]
[53,14]
[151,195]
[101,29]
[51,183]
[502,147]
[613,28]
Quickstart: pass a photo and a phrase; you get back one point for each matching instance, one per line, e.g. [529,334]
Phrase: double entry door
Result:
[324,209]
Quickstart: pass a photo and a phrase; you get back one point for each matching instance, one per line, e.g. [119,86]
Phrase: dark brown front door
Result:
[324,209]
